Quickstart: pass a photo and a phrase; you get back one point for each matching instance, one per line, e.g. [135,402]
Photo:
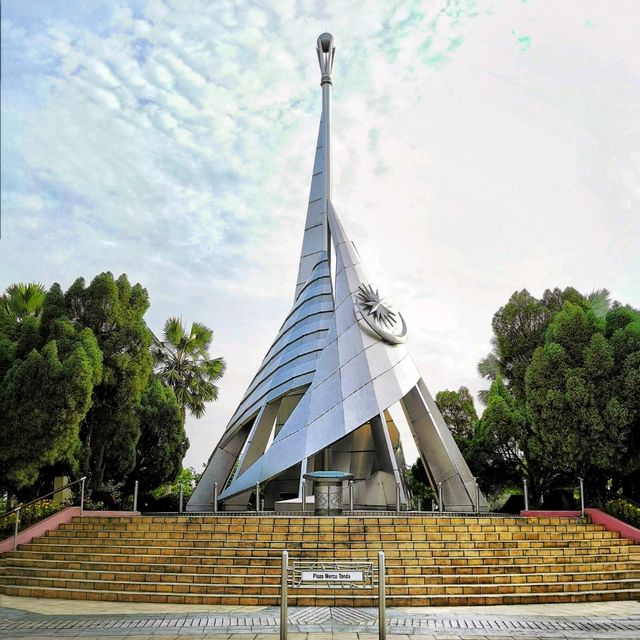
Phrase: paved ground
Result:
[38,618]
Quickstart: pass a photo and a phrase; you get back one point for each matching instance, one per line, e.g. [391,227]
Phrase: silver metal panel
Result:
[326,429]
[311,323]
[287,450]
[345,316]
[440,454]
[307,263]
[297,354]
[272,394]
[387,386]
[324,397]
[313,305]
[341,288]
[299,419]
[352,342]
[356,275]
[317,187]
[328,362]
[279,379]
[358,407]
[258,438]
[381,360]
[218,469]
[355,374]
[315,215]
[350,258]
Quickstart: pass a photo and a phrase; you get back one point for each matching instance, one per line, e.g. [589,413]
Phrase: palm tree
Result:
[490,367]
[599,301]
[182,361]
[23,299]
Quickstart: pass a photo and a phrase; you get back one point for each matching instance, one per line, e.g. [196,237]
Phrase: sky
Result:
[479,148]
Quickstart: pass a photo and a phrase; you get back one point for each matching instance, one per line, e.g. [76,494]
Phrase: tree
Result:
[22,300]
[163,442]
[114,311]
[584,416]
[560,404]
[44,396]
[518,329]
[498,453]
[459,413]
[182,361]
[419,485]
[77,392]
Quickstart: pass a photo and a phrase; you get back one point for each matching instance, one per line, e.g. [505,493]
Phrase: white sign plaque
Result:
[322,575]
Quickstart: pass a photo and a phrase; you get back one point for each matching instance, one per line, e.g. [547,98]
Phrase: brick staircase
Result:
[431,560]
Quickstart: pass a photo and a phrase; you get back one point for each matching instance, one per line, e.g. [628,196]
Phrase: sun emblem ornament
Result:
[378,317]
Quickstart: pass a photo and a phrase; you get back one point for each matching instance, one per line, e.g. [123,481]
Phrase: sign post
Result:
[135,496]
[382,610]
[283,595]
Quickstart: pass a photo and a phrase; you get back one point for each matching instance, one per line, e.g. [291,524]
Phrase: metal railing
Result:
[580,487]
[17,509]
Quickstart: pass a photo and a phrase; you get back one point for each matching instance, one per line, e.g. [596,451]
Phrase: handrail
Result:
[46,495]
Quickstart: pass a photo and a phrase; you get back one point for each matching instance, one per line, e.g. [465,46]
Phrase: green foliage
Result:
[564,401]
[419,486]
[29,516]
[182,361]
[114,311]
[77,394]
[22,300]
[458,412]
[163,442]
[496,453]
[167,496]
[518,329]
[44,396]
[623,510]
[581,411]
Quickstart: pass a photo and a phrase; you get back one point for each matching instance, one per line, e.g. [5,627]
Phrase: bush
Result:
[623,510]
[29,515]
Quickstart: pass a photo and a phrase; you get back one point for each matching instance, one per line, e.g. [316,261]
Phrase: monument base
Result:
[295,505]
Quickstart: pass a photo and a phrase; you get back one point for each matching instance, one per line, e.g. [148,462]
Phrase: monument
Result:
[337,390]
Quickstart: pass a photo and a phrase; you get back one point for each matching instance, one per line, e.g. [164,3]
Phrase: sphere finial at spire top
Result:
[325,40]
[326,49]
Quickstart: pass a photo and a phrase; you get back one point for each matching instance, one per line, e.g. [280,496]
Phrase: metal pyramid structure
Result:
[338,389]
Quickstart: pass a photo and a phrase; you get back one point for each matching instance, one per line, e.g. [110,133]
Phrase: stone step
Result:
[444,560]
[273,588]
[329,550]
[138,537]
[273,568]
[264,557]
[335,599]
[329,544]
[88,524]
[388,524]
[253,577]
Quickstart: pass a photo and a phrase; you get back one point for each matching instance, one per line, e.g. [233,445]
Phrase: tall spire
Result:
[326,50]
[316,240]
[338,385]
